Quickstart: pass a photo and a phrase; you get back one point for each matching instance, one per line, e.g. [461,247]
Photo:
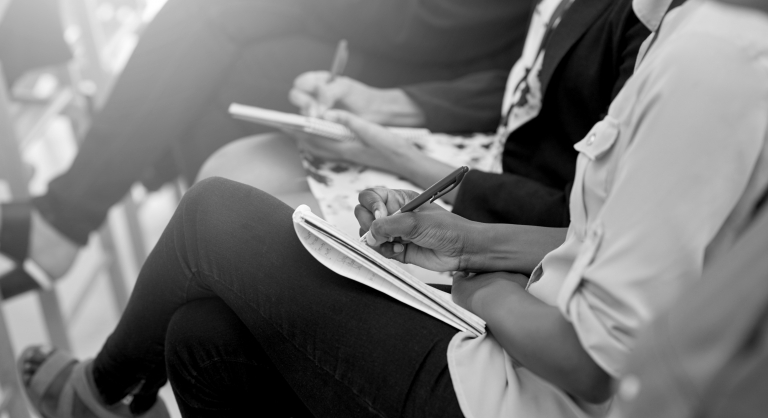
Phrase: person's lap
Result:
[217,367]
[345,349]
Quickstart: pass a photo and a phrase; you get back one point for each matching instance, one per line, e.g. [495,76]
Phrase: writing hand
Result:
[430,236]
[314,95]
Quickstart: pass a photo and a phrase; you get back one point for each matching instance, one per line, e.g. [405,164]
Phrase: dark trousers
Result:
[343,349]
[196,58]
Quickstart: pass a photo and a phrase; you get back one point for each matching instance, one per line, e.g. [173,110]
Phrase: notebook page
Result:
[373,262]
[314,126]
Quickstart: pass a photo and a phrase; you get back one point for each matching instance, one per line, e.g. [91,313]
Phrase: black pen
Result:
[434,192]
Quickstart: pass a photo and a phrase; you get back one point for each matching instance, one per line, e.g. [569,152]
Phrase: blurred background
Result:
[50,87]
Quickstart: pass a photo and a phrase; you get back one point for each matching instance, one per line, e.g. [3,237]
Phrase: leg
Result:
[268,162]
[152,104]
[217,368]
[331,338]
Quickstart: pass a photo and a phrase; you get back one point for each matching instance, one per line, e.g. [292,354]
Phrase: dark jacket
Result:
[588,59]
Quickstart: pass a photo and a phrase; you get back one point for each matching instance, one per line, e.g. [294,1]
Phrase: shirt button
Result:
[591,139]
[629,387]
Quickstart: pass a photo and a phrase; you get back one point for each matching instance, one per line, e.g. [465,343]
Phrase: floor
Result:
[86,298]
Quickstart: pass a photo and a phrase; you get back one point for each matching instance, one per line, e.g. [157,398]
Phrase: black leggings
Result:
[342,348]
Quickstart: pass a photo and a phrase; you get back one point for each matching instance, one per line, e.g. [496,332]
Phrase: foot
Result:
[51,250]
[32,361]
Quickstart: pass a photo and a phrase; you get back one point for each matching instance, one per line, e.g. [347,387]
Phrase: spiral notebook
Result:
[314,126]
[349,258]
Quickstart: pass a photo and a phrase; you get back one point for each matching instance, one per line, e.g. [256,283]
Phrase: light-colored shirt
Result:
[663,185]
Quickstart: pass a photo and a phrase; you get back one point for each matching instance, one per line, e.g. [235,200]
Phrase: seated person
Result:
[648,216]
[564,82]
[715,337]
[197,56]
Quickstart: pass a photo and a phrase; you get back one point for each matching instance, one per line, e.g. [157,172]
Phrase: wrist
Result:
[474,256]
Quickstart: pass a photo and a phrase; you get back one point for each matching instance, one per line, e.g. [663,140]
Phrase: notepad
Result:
[349,258]
[310,125]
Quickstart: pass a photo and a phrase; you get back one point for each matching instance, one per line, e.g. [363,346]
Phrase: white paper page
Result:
[370,266]
[342,262]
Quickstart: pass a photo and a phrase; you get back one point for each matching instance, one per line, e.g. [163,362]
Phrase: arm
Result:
[533,333]
[434,238]
[468,104]
[443,241]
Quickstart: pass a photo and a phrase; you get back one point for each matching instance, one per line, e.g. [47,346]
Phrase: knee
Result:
[214,194]
[218,206]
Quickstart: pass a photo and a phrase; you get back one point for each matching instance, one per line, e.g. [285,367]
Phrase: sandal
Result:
[15,224]
[76,387]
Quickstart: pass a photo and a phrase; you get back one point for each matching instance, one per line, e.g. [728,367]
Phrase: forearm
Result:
[498,247]
[513,248]
[540,338]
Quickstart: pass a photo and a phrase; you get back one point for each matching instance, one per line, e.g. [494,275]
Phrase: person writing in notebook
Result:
[577,56]
[167,110]
[648,217]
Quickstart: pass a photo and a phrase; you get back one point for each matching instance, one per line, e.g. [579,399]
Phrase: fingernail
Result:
[399,248]
[377,214]
[370,240]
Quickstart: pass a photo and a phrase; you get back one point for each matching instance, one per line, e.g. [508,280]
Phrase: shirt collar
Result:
[651,12]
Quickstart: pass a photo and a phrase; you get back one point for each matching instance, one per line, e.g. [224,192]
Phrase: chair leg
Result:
[54,319]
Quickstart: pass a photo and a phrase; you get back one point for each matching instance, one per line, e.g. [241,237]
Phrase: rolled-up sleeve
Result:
[691,139]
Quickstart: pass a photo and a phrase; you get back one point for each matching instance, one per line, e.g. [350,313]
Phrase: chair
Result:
[12,177]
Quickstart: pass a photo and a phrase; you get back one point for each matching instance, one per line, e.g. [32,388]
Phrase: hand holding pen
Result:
[430,237]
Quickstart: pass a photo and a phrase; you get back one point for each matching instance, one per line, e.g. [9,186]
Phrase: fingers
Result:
[368,132]
[375,201]
[303,100]
[403,226]
[311,80]
[324,148]
[364,217]
[394,250]
[313,94]
[392,199]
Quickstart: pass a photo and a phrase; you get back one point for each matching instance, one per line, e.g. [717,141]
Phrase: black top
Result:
[588,59]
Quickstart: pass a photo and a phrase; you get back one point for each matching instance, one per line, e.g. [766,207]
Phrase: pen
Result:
[434,192]
[339,60]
